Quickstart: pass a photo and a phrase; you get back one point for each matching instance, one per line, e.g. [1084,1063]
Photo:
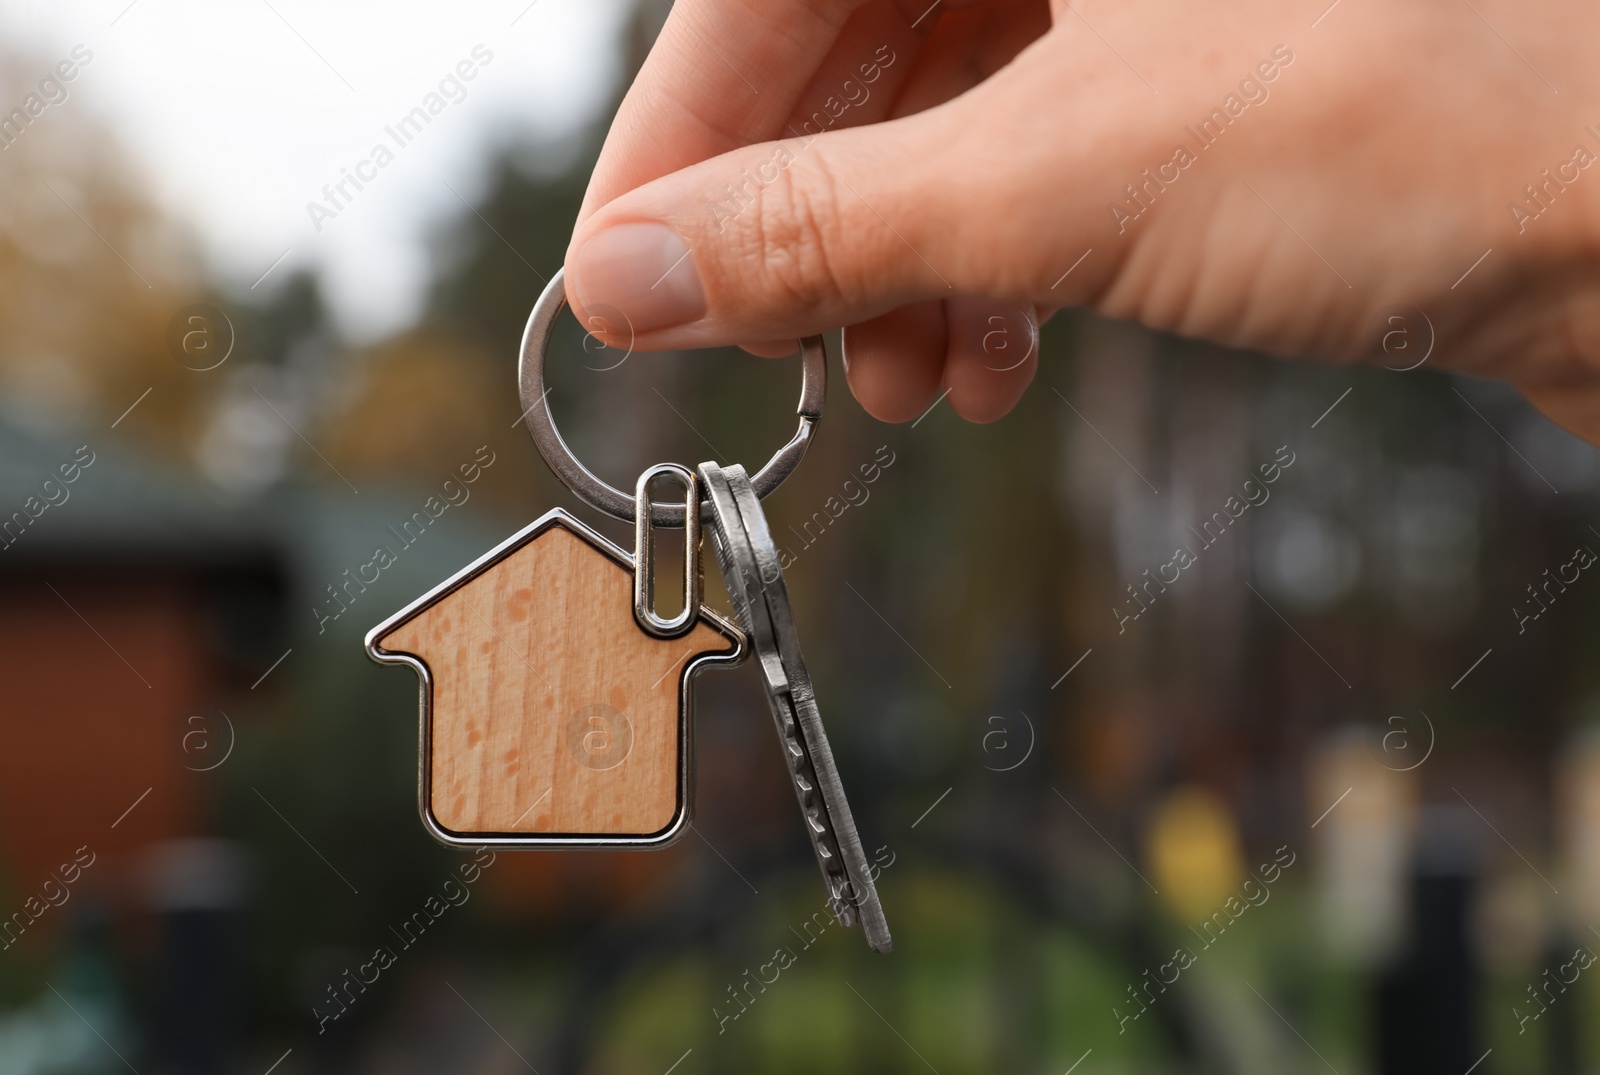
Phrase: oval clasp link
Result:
[644,515]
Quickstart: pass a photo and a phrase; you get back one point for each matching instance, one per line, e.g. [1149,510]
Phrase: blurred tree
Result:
[448,384]
[498,259]
[90,274]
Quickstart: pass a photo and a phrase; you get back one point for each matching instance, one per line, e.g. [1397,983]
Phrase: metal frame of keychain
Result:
[748,557]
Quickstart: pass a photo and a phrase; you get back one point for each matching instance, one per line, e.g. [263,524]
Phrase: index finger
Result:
[721,75]
[725,74]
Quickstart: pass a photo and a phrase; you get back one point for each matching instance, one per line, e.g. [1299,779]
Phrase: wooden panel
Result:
[552,712]
[97,700]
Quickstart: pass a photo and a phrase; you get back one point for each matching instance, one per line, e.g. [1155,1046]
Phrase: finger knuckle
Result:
[796,236]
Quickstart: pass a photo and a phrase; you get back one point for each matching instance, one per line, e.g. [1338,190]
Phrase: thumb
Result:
[797,236]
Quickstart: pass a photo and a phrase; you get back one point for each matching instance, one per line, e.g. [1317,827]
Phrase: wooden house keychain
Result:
[555,707]
[556,703]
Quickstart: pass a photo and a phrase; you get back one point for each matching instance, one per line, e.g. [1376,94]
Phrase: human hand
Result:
[1267,175]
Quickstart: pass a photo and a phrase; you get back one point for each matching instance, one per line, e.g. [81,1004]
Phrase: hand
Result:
[939,180]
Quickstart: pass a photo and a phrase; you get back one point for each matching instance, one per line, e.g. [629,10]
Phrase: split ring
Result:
[599,494]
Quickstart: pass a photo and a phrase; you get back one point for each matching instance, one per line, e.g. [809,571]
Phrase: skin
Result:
[938,218]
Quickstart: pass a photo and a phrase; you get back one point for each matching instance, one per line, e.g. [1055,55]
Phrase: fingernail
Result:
[645,271]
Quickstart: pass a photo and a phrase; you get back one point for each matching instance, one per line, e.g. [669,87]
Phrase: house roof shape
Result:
[548,717]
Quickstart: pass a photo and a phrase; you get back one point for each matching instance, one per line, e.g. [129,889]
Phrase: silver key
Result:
[749,561]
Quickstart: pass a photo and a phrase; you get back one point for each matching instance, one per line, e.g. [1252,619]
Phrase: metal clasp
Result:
[644,514]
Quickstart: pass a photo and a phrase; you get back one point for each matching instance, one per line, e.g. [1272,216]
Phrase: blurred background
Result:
[1331,799]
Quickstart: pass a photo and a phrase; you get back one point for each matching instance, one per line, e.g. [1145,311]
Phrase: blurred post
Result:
[1428,999]
[197,890]
[1364,820]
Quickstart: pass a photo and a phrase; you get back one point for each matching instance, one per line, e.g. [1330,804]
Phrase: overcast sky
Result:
[239,112]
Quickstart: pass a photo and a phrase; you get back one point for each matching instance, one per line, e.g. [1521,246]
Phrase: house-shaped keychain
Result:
[549,717]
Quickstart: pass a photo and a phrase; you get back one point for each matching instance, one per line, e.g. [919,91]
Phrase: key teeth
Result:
[792,699]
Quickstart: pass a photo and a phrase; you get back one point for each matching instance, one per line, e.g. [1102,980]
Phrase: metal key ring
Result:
[607,498]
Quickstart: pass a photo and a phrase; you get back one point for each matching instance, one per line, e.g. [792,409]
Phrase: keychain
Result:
[556,704]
